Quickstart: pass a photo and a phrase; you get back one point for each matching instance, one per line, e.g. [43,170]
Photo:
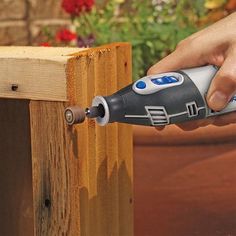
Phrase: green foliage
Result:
[153,27]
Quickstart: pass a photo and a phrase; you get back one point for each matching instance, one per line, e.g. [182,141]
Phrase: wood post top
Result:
[41,73]
[41,53]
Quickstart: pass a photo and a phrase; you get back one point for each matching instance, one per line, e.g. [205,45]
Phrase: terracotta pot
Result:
[185,184]
[172,135]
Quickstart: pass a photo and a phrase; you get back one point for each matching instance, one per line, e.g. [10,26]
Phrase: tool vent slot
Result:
[192,109]
[212,112]
[157,115]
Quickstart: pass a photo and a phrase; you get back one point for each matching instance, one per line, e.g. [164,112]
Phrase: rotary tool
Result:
[155,100]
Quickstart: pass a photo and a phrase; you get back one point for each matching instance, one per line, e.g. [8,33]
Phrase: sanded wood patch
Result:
[105,153]
[38,72]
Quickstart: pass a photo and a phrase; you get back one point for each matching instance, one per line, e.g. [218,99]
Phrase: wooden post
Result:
[55,179]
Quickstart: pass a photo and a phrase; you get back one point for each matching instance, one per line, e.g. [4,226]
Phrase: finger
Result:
[223,86]
[185,56]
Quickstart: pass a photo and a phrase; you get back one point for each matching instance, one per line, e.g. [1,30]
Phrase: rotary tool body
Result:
[162,99]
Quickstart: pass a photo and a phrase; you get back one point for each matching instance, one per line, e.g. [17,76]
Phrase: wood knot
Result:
[47,203]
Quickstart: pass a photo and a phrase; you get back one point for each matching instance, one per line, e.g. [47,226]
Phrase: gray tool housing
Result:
[162,99]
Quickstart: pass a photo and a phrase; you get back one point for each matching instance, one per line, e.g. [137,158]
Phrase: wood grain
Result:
[105,179]
[112,148]
[55,182]
[68,180]
[100,148]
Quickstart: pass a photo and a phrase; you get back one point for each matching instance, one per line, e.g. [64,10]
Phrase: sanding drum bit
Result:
[77,115]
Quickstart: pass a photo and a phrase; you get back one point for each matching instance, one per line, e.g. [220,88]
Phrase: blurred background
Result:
[184,182]
[153,27]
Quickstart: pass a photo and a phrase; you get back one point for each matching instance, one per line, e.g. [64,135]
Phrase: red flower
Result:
[65,35]
[45,44]
[75,7]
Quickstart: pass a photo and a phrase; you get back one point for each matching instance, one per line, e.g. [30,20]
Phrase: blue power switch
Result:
[141,85]
[165,80]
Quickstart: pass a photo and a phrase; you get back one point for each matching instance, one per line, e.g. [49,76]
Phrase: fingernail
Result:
[218,100]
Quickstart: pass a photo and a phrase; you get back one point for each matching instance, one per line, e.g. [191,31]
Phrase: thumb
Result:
[183,57]
[223,86]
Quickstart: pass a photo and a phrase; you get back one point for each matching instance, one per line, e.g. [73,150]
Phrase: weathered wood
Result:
[80,180]
[55,182]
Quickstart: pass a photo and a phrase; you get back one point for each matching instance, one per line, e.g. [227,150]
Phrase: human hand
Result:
[215,45]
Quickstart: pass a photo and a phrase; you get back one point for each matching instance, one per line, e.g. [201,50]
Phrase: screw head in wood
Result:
[14,87]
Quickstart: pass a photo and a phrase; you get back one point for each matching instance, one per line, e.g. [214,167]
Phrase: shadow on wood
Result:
[55,187]
[56,179]
[16,196]
[101,200]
